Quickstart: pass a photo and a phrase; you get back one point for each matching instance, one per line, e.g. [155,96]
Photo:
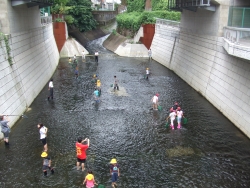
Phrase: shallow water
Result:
[207,152]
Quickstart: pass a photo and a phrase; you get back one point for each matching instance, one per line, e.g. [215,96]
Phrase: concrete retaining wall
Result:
[34,54]
[203,63]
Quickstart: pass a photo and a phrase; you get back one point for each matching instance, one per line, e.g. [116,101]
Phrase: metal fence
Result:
[46,20]
[240,36]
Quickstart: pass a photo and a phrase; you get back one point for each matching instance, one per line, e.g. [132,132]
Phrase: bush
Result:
[133,20]
[69,19]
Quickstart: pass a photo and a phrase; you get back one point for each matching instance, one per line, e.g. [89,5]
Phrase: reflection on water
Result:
[207,152]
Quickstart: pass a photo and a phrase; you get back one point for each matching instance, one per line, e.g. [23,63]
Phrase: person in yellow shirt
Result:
[98,85]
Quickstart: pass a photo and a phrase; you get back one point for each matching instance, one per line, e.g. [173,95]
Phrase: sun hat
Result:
[113,161]
[44,154]
[89,177]
[147,68]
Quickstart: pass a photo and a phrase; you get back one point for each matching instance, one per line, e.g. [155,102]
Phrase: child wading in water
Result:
[114,172]
[76,72]
[46,164]
[147,73]
[89,180]
[172,118]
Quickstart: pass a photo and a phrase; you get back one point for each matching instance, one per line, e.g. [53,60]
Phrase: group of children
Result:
[114,170]
[175,111]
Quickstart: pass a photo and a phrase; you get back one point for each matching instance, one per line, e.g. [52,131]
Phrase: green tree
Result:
[136,5]
[159,5]
[81,11]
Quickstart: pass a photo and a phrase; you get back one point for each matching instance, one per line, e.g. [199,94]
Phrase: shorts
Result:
[6,134]
[178,119]
[114,177]
[81,160]
[46,167]
[44,141]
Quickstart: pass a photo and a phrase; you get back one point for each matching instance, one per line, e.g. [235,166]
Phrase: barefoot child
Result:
[89,180]
[172,118]
[46,163]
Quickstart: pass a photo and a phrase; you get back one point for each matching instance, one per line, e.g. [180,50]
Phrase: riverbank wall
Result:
[27,60]
[199,58]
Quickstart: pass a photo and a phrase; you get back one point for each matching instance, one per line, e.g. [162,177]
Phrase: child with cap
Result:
[46,163]
[114,171]
[89,180]
[98,85]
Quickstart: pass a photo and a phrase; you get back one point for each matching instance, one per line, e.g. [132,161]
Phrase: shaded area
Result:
[125,127]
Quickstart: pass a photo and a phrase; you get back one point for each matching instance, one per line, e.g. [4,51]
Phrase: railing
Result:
[240,36]
[237,42]
[46,20]
[168,23]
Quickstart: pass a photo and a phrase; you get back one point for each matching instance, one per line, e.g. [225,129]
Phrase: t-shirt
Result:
[172,115]
[76,71]
[179,113]
[147,71]
[98,84]
[96,92]
[96,53]
[4,126]
[149,52]
[42,132]
[81,150]
[155,99]
[116,81]
[51,84]
[46,161]
[114,168]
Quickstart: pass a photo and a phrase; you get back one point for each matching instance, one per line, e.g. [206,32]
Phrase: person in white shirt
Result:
[51,86]
[179,113]
[155,101]
[96,56]
[83,55]
[147,73]
[43,134]
[172,118]
[150,54]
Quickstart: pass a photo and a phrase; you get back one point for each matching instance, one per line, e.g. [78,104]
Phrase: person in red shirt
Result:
[81,148]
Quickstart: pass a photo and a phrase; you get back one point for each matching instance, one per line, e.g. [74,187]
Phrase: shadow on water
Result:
[207,152]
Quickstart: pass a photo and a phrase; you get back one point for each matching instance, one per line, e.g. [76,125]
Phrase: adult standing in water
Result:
[116,84]
[51,92]
[5,129]
[150,54]
[96,56]
[83,55]
[43,134]
[81,148]
[155,101]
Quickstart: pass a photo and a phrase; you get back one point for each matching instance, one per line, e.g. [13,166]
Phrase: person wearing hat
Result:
[90,180]
[81,147]
[46,163]
[114,171]
[147,73]
[98,85]
[172,118]
[155,101]
[179,113]
[5,128]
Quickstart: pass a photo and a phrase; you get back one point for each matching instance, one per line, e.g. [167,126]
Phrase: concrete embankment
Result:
[71,47]
[119,45]
[35,58]
[203,63]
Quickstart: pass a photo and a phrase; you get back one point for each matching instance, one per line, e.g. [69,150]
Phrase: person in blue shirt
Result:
[96,95]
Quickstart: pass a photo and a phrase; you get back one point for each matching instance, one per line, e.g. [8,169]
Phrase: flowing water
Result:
[209,151]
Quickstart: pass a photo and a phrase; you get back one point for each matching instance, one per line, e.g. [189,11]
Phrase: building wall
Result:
[203,63]
[35,57]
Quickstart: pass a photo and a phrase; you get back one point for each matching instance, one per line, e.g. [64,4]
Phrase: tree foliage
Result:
[136,5]
[159,5]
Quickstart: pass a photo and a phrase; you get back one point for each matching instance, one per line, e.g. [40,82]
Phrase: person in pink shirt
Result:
[90,180]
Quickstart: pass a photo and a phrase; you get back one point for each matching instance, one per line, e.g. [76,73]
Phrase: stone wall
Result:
[202,62]
[35,57]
